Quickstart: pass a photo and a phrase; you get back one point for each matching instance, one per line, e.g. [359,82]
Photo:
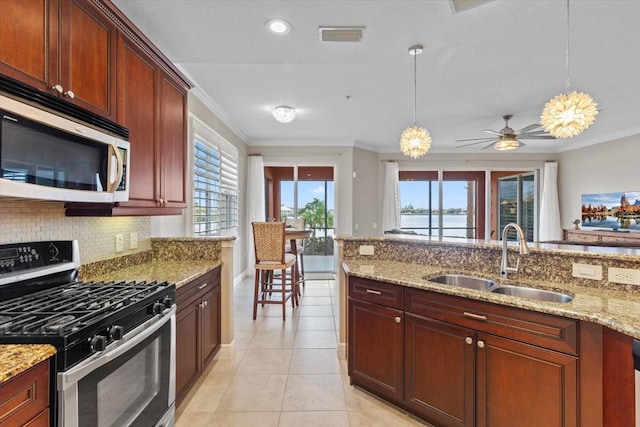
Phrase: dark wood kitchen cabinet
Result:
[472,363]
[153,107]
[63,47]
[376,331]
[198,329]
[24,399]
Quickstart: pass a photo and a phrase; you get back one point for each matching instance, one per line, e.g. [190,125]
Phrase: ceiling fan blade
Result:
[475,143]
[492,132]
[527,129]
[529,136]
[475,139]
[487,146]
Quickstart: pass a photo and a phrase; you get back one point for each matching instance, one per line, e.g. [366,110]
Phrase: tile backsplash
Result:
[22,221]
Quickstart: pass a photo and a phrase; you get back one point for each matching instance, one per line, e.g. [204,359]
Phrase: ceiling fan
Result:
[507,138]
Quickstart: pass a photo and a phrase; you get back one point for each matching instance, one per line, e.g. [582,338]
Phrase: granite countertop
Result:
[616,309]
[17,358]
[178,272]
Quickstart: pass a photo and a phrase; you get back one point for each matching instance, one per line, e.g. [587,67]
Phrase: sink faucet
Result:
[524,249]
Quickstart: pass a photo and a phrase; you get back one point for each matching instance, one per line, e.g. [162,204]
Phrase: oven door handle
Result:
[142,332]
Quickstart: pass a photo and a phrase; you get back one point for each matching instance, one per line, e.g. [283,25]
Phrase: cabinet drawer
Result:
[544,330]
[377,292]
[197,288]
[25,396]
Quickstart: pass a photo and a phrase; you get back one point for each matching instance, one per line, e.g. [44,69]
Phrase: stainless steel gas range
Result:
[115,341]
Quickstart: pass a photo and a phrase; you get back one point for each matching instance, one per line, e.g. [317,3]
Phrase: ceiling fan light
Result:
[415,141]
[507,143]
[568,115]
[284,114]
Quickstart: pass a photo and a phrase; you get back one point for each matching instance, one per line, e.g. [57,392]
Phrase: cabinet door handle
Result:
[398,319]
[480,344]
[371,291]
[201,305]
[57,88]
[204,285]
[468,340]
[474,316]
[206,303]
[70,94]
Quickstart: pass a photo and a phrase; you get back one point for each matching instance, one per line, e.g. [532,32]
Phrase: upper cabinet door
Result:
[29,42]
[88,57]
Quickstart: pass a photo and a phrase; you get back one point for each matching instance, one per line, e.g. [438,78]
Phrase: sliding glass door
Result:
[517,203]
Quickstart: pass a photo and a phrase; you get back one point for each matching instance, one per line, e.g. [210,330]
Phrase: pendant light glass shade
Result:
[415,140]
[569,113]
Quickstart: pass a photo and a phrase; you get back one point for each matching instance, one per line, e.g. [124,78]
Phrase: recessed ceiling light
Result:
[284,114]
[278,26]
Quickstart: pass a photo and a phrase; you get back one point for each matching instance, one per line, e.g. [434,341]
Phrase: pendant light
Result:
[415,141]
[569,113]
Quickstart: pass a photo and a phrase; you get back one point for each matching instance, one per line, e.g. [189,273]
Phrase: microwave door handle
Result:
[114,152]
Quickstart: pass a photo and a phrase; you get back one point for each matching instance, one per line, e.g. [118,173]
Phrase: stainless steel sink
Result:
[462,281]
[531,293]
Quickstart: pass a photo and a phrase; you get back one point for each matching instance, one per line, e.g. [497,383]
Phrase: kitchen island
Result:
[443,341]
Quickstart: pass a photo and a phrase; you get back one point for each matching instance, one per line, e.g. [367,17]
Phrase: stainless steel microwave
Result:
[49,157]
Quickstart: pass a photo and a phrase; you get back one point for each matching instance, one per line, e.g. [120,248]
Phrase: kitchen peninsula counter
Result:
[616,309]
[17,358]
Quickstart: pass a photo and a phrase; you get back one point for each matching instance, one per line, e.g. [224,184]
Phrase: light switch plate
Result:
[366,250]
[587,271]
[134,240]
[627,276]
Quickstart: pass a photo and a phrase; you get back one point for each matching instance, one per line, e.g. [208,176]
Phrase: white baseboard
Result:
[227,351]
[342,350]
[239,278]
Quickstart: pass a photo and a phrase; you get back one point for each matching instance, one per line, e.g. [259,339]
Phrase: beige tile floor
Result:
[285,373]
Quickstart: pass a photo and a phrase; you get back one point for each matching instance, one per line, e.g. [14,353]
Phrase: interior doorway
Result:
[305,192]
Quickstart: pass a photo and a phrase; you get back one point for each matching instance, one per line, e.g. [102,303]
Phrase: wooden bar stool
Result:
[268,238]
[298,224]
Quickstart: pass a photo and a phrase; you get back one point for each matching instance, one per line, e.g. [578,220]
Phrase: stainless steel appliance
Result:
[45,154]
[115,362]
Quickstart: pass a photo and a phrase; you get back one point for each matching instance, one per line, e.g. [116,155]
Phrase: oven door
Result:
[131,383]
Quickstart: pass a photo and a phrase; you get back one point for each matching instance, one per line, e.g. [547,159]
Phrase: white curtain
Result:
[550,228]
[391,198]
[255,202]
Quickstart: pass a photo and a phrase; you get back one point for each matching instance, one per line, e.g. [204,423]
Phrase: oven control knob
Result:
[116,332]
[168,303]
[98,343]
[158,308]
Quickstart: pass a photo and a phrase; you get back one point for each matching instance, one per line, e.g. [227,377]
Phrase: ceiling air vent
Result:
[462,5]
[340,34]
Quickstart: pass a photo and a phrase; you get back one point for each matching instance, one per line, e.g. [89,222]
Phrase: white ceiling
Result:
[505,57]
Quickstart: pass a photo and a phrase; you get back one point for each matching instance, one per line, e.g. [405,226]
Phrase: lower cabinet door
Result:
[523,385]
[439,371]
[376,348]
[210,312]
[187,351]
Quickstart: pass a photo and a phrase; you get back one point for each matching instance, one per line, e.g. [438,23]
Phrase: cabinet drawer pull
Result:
[475,316]
[468,340]
[371,291]
[398,319]
[204,285]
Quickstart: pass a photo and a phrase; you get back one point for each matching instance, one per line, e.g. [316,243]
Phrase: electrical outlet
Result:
[134,240]
[587,271]
[119,243]
[624,275]
[366,250]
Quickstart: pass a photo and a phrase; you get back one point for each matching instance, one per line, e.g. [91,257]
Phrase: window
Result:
[517,203]
[453,207]
[215,183]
